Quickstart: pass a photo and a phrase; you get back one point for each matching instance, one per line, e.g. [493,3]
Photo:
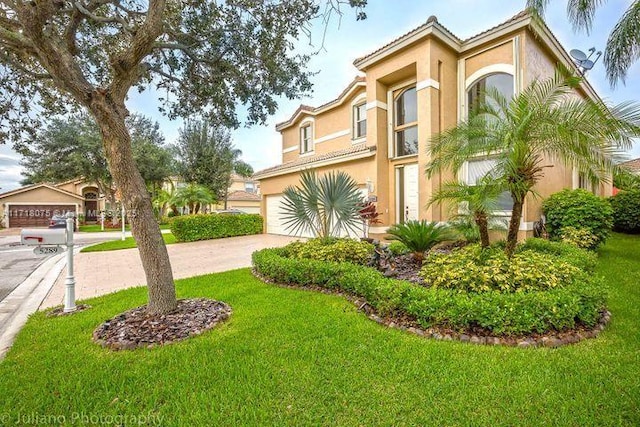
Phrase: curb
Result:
[26,298]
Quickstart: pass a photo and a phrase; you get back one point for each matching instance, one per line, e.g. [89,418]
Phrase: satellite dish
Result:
[587,64]
[578,55]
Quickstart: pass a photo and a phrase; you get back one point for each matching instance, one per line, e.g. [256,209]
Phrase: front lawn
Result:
[294,357]
[127,243]
[96,228]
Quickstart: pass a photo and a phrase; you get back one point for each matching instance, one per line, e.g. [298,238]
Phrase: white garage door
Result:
[275,219]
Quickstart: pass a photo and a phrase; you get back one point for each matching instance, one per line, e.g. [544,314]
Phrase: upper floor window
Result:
[502,82]
[359,121]
[249,187]
[479,168]
[405,126]
[306,140]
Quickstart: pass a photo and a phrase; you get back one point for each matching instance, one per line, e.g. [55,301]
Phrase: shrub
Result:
[581,258]
[398,248]
[626,211]
[473,269]
[579,237]
[420,236]
[498,313]
[189,228]
[579,209]
[333,249]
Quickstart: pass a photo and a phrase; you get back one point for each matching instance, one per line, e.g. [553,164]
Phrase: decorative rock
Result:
[437,336]
[464,338]
[475,340]
[493,341]
[392,325]
[524,344]
[552,342]
[447,337]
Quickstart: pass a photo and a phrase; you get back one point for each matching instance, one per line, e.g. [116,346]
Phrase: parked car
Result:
[59,221]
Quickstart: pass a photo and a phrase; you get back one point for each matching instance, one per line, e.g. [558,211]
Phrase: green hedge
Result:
[498,313]
[332,249]
[189,228]
[583,259]
[579,209]
[626,211]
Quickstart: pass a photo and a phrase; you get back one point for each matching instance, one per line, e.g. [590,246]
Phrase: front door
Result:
[407,192]
[90,207]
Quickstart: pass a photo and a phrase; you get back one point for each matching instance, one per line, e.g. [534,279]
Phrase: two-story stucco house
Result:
[377,130]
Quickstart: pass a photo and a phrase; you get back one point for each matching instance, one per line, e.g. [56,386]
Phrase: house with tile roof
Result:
[410,89]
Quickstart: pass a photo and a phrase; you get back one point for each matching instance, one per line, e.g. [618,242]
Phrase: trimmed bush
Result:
[581,258]
[332,249]
[498,313]
[578,237]
[473,269]
[626,211]
[189,228]
[580,209]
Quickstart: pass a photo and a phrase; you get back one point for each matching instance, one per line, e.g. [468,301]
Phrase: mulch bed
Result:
[136,328]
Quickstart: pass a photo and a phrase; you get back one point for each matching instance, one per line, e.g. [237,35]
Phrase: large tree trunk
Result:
[514,226]
[153,252]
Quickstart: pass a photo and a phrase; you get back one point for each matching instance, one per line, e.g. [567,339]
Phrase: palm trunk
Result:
[153,252]
[514,226]
[483,226]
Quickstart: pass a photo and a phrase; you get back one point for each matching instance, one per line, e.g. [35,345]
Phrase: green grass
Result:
[127,243]
[293,357]
[96,228]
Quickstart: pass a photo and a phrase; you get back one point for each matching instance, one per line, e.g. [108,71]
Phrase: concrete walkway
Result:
[99,273]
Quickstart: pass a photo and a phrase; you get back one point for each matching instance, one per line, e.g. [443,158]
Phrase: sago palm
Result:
[420,236]
[546,122]
[325,206]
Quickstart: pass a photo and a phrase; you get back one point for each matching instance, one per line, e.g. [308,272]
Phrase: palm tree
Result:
[478,202]
[544,122]
[193,196]
[420,236]
[324,206]
[163,200]
[623,45]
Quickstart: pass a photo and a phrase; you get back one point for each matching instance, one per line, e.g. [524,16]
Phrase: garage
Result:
[276,222]
[37,215]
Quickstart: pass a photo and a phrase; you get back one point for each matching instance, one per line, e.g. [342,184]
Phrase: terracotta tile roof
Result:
[632,165]
[309,109]
[433,20]
[347,152]
[39,185]
[244,196]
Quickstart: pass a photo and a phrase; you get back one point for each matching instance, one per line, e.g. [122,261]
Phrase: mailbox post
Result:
[70,281]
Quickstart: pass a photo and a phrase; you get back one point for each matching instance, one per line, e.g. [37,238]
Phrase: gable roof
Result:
[347,154]
[312,111]
[243,196]
[39,185]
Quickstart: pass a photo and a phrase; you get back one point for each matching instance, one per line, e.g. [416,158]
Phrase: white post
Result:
[70,281]
[122,219]
[102,221]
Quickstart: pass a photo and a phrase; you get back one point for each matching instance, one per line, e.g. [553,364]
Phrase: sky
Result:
[347,39]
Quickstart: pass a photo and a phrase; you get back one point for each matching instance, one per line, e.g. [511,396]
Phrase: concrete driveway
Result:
[99,273]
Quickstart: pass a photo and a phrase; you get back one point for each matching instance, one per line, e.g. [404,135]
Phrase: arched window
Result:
[405,127]
[502,82]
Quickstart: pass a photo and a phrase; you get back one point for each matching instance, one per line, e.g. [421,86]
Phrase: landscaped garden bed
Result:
[544,295]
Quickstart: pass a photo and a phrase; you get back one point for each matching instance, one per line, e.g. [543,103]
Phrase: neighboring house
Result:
[243,195]
[34,205]
[421,83]
[632,166]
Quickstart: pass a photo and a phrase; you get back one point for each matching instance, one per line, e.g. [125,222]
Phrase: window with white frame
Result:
[501,82]
[359,121]
[306,139]
[405,124]
[481,167]
[249,187]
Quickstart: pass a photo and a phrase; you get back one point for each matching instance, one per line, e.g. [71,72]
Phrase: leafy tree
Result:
[325,206]
[623,44]
[193,196]
[543,123]
[476,202]
[205,58]
[207,157]
[623,179]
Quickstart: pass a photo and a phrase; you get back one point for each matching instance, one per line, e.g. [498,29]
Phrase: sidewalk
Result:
[99,273]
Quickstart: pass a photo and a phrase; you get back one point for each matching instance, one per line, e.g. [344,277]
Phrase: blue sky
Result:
[348,39]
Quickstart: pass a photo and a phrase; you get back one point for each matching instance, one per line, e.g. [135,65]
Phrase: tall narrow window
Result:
[405,127]
[359,121]
[306,142]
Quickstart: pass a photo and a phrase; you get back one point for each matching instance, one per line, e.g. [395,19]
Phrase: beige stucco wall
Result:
[499,52]
[38,196]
